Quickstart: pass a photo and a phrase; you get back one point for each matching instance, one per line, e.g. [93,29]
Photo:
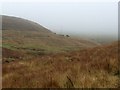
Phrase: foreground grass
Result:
[91,68]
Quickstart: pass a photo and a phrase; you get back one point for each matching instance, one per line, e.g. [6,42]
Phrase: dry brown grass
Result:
[91,68]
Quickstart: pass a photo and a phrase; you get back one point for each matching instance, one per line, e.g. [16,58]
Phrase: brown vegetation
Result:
[35,57]
[89,68]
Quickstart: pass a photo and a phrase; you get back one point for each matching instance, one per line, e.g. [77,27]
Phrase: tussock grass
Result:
[91,68]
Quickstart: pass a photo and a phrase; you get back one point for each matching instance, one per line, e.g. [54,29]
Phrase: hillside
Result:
[15,23]
[24,35]
[96,67]
[35,57]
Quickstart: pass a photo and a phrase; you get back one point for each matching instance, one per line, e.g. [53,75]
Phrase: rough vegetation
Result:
[34,57]
[88,68]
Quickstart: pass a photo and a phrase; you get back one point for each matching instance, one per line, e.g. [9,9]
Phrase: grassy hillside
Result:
[15,23]
[35,57]
[89,68]
[20,34]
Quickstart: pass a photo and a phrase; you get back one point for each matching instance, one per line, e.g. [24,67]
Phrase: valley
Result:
[35,57]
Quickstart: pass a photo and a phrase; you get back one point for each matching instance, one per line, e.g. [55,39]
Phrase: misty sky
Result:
[69,18]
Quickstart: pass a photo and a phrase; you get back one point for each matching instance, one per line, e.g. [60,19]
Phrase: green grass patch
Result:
[8,46]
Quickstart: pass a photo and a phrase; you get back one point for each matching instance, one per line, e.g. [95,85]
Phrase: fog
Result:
[78,19]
